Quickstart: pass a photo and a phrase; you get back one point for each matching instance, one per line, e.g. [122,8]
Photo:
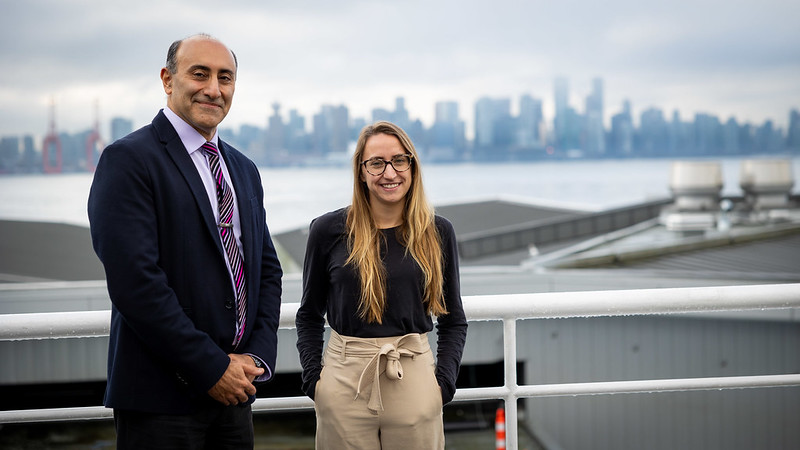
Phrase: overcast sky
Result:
[728,58]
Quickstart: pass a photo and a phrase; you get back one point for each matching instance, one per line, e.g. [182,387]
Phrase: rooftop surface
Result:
[34,251]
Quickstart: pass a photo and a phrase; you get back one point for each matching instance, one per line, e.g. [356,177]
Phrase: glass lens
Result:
[401,162]
[375,165]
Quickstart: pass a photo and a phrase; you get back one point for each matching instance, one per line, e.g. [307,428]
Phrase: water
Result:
[294,196]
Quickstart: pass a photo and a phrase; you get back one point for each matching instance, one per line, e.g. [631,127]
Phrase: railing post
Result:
[510,359]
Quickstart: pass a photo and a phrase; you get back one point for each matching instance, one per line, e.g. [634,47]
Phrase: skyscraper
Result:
[561,97]
[561,94]
[707,134]
[793,133]
[566,124]
[490,115]
[331,130]
[296,141]
[29,161]
[595,135]
[276,142]
[120,127]
[529,123]
[400,116]
[446,111]
[653,133]
[621,135]
[446,137]
[9,154]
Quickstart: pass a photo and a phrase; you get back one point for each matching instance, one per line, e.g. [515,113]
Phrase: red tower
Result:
[52,138]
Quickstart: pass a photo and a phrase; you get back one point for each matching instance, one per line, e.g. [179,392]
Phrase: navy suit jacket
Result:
[173,315]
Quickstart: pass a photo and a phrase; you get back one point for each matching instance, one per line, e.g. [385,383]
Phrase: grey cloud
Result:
[336,47]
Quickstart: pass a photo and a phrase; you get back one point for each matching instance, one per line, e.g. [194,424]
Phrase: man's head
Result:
[199,79]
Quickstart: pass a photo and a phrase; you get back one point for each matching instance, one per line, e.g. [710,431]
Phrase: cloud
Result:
[725,57]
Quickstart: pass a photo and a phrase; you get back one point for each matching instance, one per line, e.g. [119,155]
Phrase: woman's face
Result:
[390,187]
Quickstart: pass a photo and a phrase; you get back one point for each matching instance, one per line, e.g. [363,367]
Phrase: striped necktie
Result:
[225,201]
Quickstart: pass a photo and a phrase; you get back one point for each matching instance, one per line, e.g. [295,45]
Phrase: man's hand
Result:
[236,383]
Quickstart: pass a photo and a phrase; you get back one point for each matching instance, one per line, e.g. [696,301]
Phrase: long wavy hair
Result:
[418,234]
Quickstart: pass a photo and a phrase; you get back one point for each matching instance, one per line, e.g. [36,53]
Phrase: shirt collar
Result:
[191,139]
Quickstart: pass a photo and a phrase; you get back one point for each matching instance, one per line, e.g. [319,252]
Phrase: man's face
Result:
[201,89]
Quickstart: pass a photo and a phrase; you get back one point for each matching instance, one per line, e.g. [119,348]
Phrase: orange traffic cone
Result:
[500,429]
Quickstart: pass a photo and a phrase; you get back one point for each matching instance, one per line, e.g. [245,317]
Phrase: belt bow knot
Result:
[391,353]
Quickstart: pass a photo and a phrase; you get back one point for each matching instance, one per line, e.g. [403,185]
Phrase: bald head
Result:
[172,53]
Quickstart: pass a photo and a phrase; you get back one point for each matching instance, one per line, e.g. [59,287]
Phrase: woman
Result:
[380,269]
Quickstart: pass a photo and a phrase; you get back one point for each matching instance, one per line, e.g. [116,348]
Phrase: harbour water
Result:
[294,196]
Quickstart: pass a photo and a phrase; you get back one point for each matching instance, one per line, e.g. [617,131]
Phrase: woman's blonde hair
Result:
[417,233]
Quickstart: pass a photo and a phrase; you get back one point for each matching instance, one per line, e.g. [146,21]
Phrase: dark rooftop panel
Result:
[487,215]
[778,256]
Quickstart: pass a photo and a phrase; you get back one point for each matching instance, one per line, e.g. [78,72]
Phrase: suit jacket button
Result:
[229,304]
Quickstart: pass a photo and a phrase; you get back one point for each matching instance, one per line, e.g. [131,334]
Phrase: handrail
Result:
[507,308]
[550,305]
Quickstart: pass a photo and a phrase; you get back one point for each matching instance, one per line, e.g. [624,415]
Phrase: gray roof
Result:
[487,215]
[34,251]
[481,216]
[38,251]
[776,258]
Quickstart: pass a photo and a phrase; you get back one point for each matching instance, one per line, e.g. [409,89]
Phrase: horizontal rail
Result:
[658,385]
[554,305]
[462,395]
[54,325]
[548,305]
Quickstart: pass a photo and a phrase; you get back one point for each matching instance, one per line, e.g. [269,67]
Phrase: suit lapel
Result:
[177,152]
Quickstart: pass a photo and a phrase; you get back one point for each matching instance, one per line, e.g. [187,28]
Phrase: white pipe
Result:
[54,325]
[632,302]
[468,394]
[480,307]
[660,385]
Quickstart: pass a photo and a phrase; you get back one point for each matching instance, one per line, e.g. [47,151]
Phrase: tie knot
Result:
[209,147]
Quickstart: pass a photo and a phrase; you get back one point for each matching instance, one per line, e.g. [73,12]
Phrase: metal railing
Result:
[506,308]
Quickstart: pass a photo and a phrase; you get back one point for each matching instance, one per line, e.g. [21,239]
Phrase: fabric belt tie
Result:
[385,360]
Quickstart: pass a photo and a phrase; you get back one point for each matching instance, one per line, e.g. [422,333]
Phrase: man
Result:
[178,221]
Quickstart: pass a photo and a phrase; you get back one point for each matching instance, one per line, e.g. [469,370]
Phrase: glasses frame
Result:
[386,163]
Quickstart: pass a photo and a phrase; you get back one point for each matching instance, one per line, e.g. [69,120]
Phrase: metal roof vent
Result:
[767,183]
[696,187]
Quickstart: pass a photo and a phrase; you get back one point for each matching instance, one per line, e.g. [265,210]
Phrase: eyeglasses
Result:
[376,166]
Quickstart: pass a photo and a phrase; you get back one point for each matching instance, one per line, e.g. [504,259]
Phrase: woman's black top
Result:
[333,288]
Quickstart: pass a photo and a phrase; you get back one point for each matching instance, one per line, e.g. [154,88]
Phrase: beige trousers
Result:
[378,394]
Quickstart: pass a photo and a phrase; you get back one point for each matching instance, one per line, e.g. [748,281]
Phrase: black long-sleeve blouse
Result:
[333,288]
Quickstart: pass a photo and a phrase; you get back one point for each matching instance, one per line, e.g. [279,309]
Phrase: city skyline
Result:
[713,57]
[500,135]
[513,103]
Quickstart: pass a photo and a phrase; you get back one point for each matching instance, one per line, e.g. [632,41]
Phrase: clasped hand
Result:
[236,384]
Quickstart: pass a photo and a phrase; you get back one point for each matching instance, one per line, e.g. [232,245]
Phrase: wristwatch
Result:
[257,361]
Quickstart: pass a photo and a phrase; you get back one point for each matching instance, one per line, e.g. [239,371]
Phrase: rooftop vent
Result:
[696,185]
[767,184]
